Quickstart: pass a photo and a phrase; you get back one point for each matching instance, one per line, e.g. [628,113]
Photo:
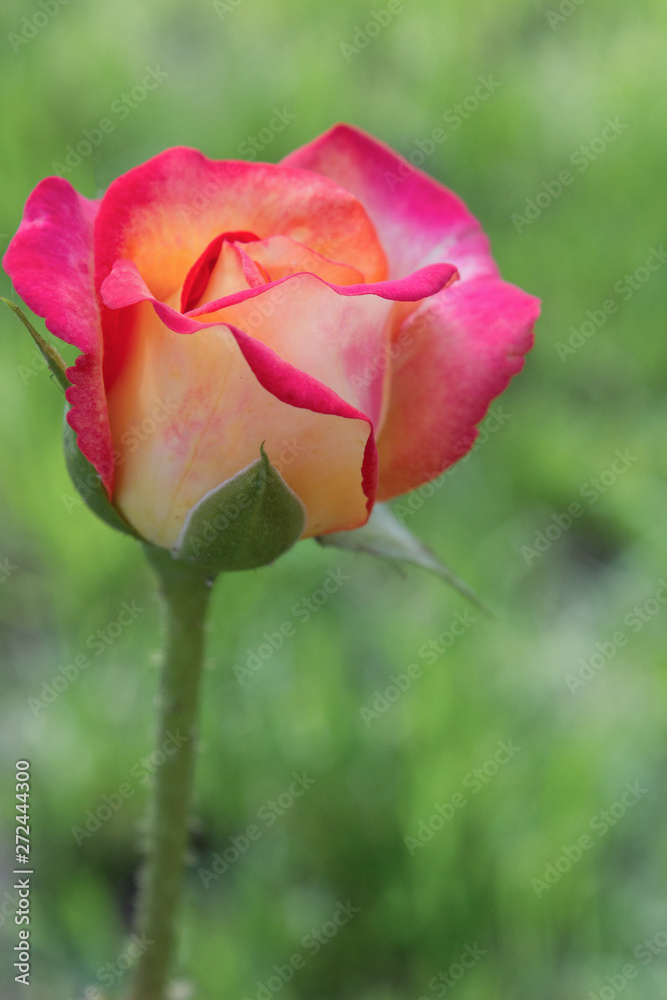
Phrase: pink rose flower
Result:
[307,305]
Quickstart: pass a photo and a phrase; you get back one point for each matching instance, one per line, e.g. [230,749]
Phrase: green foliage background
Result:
[504,679]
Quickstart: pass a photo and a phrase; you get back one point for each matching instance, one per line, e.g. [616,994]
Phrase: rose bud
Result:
[268,349]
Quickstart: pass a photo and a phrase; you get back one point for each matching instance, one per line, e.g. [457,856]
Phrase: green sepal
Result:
[246,522]
[49,353]
[89,485]
[385,536]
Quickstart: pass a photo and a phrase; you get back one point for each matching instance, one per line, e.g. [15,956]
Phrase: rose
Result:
[306,307]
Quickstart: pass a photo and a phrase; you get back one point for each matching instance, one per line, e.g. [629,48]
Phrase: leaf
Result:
[244,523]
[383,535]
[89,485]
[49,353]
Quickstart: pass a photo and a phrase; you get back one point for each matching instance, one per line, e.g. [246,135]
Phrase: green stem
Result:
[186,593]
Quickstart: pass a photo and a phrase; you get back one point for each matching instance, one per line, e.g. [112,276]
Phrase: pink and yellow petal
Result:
[417,220]
[332,333]
[233,272]
[50,261]
[164,212]
[189,412]
[331,337]
[281,256]
[462,348]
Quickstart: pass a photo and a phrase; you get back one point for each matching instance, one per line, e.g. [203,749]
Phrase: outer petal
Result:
[50,261]
[462,348]
[418,220]
[163,212]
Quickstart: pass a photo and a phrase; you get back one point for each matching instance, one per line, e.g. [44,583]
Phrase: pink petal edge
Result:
[466,345]
[417,219]
[284,381]
[50,262]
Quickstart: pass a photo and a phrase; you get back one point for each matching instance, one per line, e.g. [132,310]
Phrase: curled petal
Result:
[334,333]
[163,212]
[220,394]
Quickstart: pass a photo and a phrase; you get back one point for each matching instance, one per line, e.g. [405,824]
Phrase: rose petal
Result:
[461,349]
[189,412]
[50,261]
[224,393]
[164,212]
[281,256]
[417,220]
[199,275]
[124,286]
[334,333]
[232,272]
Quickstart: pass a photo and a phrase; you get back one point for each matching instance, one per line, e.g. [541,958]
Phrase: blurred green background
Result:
[483,880]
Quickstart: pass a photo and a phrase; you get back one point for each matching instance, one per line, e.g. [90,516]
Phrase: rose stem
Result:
[186,593]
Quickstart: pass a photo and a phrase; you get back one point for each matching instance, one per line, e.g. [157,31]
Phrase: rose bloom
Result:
[341,307]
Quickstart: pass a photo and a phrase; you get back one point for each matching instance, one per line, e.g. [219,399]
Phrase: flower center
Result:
[199,274]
